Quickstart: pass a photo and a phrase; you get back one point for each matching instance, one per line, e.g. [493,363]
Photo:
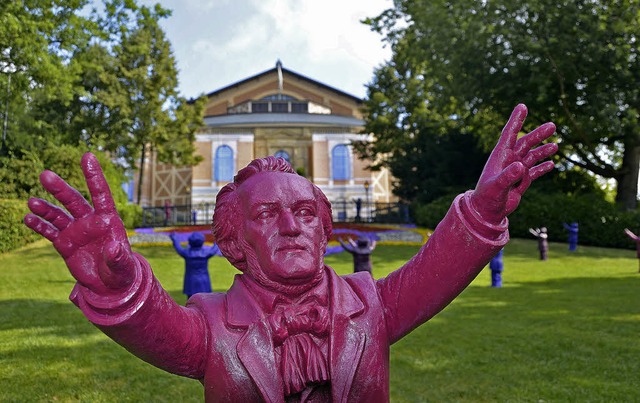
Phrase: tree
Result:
[574,62]
[37,39]
[416,138]
[141,92]
[105,81]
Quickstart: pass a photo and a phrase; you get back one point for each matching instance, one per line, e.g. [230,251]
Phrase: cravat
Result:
[302,362]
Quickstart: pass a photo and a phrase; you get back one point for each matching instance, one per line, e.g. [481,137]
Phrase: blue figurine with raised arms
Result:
[196,258]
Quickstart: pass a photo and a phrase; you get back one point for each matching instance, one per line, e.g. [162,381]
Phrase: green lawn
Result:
[562,330]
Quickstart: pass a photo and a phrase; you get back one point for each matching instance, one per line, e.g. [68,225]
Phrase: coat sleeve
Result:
[178,247]
[459,248]
[147,322]
[213,250]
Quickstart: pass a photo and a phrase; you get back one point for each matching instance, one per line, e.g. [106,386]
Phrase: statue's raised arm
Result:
[116,289]
[91,239]
[474,229]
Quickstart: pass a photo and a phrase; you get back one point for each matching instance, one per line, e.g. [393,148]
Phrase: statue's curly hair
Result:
[227,220]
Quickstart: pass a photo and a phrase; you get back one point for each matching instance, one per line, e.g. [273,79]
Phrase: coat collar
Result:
[243,308]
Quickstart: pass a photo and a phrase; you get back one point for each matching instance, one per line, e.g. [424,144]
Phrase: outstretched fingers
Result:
[539,153]
[42,227]
[539,170]
[539,134]
[50,213]
[98,187]
[70,198]
[533,174]
[512,128]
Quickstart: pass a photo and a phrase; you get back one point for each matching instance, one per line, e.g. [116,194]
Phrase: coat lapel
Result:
[255,348]
[347,338]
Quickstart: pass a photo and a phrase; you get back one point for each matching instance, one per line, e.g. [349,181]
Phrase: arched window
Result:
[283,154]
[223,165]
[341,162]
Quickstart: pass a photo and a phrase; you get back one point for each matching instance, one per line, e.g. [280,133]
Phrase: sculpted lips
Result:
[291,248]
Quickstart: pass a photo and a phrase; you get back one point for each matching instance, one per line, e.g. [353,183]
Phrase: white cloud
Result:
[219,42]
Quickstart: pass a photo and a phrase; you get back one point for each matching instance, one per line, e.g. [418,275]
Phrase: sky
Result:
[220,42]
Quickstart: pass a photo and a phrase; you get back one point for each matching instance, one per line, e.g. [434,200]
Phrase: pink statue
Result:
[289,329]
[637,240]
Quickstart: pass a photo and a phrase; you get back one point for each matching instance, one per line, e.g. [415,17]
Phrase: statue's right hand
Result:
[92,240]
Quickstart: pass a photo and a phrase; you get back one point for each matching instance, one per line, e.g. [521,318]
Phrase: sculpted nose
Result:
[288,224]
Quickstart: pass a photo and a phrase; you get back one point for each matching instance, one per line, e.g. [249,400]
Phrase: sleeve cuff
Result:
[481,228]
[115,308]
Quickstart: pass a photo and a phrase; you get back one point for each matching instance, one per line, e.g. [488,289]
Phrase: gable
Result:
[293,85]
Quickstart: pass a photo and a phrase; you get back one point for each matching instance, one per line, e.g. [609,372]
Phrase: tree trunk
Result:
[141,175]
[627,194]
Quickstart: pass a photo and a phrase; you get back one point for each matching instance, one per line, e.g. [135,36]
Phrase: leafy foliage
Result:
[417,137]
[13,233]
[574,62]
[19,176]
[19,180]
[104,80]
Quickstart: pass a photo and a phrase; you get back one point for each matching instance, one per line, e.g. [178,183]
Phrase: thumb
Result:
[510,176]
[120,267]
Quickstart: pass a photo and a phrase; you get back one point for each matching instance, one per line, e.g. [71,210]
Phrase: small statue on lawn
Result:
[573,235]
[496,266]
[636,238]
[543,243]
[196,263]
[361,250]
[289,329]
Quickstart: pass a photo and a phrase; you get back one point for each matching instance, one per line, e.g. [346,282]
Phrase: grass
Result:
[561,330]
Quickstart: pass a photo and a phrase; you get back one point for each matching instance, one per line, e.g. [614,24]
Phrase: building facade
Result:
[277,112]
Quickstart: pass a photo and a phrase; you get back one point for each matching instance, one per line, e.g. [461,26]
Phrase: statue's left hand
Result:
[511,168]
[92,240]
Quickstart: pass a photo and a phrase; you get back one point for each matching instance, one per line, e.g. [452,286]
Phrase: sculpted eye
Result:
[264,215]
[305,212]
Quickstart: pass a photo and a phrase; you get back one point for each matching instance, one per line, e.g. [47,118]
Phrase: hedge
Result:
[600,222]
[131,215]
[13,232]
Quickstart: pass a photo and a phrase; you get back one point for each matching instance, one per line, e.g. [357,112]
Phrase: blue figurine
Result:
[573,235]
[196,258]
[496,267]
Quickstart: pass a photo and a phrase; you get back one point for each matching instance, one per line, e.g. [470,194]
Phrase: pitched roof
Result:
[291,73]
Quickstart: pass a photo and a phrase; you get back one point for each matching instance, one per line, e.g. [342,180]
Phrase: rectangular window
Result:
[260,107]
[280,107]
[299,107]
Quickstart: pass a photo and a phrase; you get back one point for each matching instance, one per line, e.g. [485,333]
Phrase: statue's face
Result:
[282,227]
